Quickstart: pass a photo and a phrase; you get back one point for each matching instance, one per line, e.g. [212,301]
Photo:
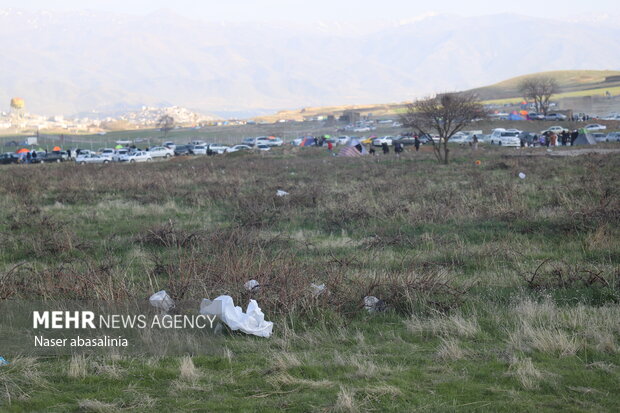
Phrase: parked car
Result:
[554,129]
[342,140]
[161,152]
[170,145]
[182,150]
[384,139]
[273,142]
[263,147]
[505,137]
[200,150]
[249,142]
[55,156]
[535,116]
[217,149]
[613,137]
[459,137]
[238,148]
[107,153]
[595,127]
[8,158]
[83,159]
[555,116]
[138,156]
[116,156]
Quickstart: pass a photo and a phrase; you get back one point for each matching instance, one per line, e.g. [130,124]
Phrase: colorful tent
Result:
[353,148]
[56,149]
[22,150]
[307,141]
[584,138]
[119,147]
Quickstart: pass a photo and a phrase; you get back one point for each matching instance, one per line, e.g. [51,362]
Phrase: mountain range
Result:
[87,62]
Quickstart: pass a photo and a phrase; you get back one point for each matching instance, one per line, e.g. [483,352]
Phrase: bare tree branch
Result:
[539,90]
[445,114]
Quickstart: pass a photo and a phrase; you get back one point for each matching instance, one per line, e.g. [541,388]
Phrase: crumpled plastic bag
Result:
[281,193]
[373,305]
[252,285]
[162,301]
[251,322]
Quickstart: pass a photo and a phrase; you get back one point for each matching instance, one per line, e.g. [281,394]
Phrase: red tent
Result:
[56,149]
[22,150]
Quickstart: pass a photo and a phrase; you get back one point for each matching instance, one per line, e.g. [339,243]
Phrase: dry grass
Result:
[444,325]
[345,402]
[78,367]
[188,371]
[97,406]
[526,373]
[450,350]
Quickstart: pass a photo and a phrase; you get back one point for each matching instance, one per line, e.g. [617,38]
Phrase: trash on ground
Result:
[252,285]
[372,304]
[317,289]
[251,322]
[280,192]
[522,175]
[162,301]
[3,362]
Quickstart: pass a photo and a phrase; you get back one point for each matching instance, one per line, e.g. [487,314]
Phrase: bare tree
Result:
[445,114]
[539,90]
[166,123]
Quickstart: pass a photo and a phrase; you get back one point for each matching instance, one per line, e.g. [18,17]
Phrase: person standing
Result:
[330,146]
[416,143]
[475,143]
[386,148]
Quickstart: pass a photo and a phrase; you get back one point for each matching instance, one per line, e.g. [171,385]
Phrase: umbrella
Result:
[56,149]
[118,147]
[23,150]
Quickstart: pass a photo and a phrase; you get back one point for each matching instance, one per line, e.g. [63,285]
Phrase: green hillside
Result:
[570,81]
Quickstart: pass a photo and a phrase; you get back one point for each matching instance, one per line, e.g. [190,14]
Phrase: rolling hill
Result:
[76,62]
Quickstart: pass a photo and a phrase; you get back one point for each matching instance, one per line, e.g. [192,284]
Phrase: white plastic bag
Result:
[162,301]
[251,322]
[317,289]
[280,192]
[252,285]
[522,175]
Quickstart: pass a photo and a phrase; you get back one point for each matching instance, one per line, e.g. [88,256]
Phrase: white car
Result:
[218,149]
[459,137]
[200,150]
[503,137]
[384,139]
[238,148]
[342,140]
[118,153]
[83,159]
[554,129]
[161,152]
[595,127]
[272,142]
[133,157]
[107,153]
[613,137]
[598,136]
[263,147]
[170,145]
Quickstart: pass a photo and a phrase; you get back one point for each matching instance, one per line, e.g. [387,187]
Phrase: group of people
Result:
[552,139]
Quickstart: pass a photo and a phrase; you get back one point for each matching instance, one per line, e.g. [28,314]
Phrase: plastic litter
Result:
[3,362]
[372,304]
[280,192]
[317,289]
[522,175]
[251,322]
[252,285]
[162,301]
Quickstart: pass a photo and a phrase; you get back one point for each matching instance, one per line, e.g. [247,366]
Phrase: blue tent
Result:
[515,116]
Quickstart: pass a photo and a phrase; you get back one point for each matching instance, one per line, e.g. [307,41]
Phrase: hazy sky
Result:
[343,10]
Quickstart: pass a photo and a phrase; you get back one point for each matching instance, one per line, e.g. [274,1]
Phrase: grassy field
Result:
[502,293]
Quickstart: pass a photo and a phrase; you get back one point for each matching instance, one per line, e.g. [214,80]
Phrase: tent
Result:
[307,141]
[56,149]
[353,148]
[584,138]
[22,150]
[119,147]
[515,116]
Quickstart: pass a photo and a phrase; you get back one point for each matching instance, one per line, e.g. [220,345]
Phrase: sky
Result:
[325,10]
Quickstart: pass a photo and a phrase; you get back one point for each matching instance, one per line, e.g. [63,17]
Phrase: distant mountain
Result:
[79,62]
